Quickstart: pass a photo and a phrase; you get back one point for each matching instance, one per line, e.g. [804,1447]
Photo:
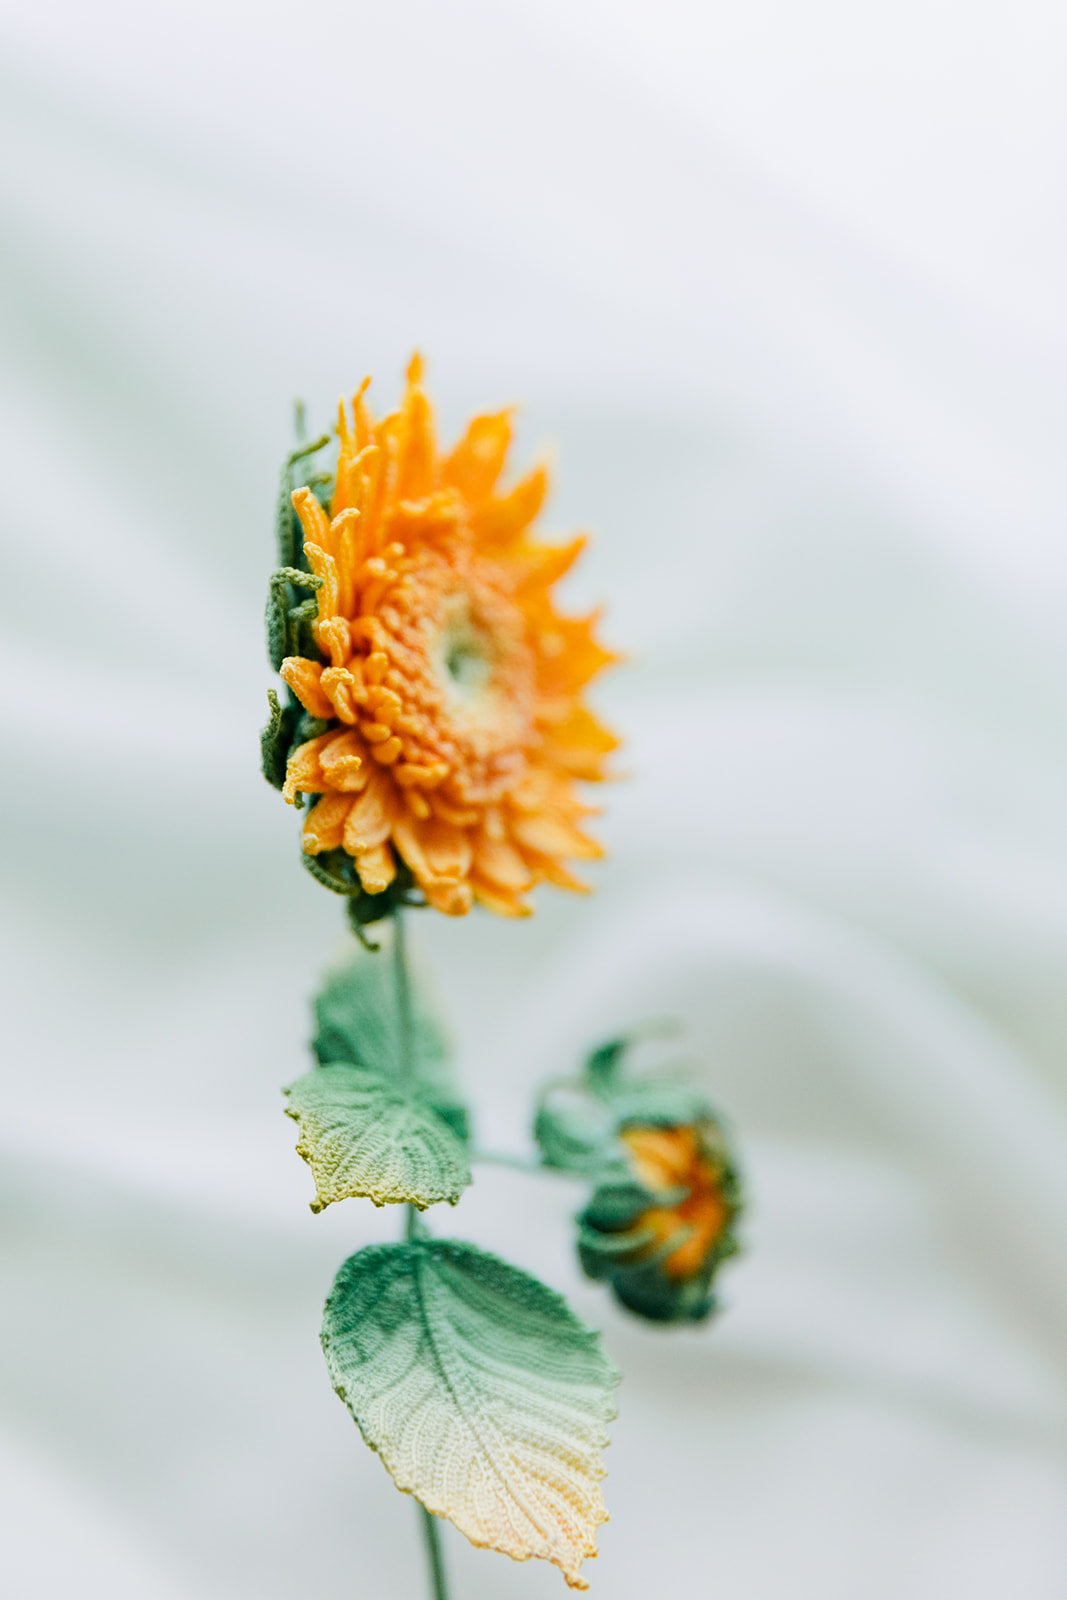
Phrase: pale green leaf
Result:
[366,1134]
[356,1020]
[483,1393]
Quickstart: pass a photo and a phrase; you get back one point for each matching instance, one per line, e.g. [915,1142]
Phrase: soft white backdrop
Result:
[783,286]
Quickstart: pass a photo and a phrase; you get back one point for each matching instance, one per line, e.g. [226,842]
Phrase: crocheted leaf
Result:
[483,1393]
[365,1134]
[574,1131]
[356,1020]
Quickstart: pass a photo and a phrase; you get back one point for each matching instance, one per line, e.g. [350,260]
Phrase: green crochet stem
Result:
[431,1533]
[432,1540]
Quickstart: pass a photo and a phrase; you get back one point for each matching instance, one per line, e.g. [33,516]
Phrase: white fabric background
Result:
[783,284]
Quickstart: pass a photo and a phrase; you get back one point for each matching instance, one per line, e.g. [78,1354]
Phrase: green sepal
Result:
[480,1389]
[658,1102]
[356,1021]
[309,727]
[644,1289]
[276,740]
[620,1201]
[602,1064]
[301,619]
[573,1132]
[286,523]
[336,870]
[288,622]
[577,1121]
[364,1135]
[600,1251]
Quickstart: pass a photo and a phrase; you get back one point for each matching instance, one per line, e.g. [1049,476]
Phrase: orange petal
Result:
[422,520]
[499,521]
[342,762]
[324,828]
[303,771]
[476,462]
[447,848]
[313,518]
[304,678]
[409,841]
[333,637]
[505,905]
[553,836]
[376,868]
[324,566]
[370,820]
[367,471]
[388,751]
[363,418]
[459,816]
[346,531]
[417,455]
[664,1157]
[454,899]
[413,775]
[347,482]
[579,729]
[570,655]
[578,743]
[345,692]
[501,865]
[386,436]
[542,565]
[554,871]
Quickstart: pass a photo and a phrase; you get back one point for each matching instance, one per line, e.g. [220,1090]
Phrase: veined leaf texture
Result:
[356,1020]
[363,1134]
[483,1393]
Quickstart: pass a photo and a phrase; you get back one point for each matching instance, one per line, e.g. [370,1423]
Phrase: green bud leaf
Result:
[485,1396]
[658,1102]
[602,1064]
[365,1135]
[574,1132]
[577,1121]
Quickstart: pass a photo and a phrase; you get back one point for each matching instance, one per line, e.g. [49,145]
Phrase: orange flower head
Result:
[452,686]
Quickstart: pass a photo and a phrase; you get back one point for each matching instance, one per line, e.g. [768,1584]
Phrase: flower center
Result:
[466,658]
[466,661]
[470,696]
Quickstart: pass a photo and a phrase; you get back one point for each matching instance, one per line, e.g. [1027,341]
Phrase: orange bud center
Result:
[673,1158]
